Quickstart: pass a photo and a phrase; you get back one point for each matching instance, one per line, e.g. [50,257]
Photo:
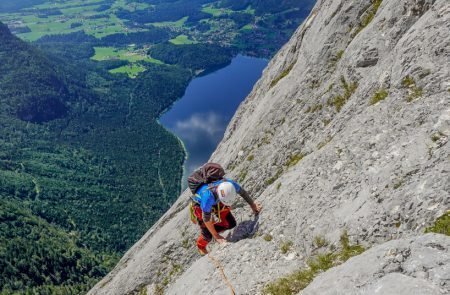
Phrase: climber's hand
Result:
[220,239]
[256,207]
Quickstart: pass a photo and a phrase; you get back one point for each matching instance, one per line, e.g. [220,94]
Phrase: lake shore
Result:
[200,117]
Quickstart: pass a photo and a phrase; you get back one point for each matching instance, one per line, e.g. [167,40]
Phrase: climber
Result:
[214,194]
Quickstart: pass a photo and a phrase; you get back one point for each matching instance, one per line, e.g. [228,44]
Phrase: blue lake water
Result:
[201,116]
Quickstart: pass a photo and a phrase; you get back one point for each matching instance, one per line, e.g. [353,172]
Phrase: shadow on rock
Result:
[244,230]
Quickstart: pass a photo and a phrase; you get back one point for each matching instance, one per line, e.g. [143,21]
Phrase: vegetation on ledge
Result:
[441,225]
[299,280]
[378,96]
[339,100]
[368,17]
[283,74]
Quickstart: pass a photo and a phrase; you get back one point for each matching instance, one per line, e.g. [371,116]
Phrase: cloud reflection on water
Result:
[200,132]
[201,127]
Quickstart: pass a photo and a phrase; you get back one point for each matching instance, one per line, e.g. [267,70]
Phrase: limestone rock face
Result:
[406,266]
[347,130]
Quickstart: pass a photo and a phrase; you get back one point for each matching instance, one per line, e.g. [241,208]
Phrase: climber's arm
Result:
[207,219]
[256,207]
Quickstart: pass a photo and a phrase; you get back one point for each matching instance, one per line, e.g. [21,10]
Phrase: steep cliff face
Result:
[347,130]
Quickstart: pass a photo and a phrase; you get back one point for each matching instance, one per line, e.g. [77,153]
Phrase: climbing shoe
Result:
[202,251]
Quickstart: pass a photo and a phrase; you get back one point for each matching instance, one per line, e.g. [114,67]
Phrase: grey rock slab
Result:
[397,284]
[398,267]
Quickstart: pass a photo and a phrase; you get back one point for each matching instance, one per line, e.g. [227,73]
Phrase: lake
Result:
[201,116]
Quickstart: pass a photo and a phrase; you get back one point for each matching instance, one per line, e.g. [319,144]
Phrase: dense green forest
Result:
[48,259]
[192,56]
[46,94]
[99,174]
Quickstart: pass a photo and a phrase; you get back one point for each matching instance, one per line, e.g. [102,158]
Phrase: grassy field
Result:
[65,4]
[181,40]
[72,11]
[132,6]
[132,70]
[177,24]
[247,27]
[46,26]
[215,11]
[130,55]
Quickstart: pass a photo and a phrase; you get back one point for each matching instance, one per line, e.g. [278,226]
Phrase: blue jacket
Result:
[206,198]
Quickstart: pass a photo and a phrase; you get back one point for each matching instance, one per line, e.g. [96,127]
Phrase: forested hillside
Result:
[40,257]
[96,175]
[37,89]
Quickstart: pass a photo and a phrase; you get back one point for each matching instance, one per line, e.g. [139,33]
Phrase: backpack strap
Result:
[194,199]
[212,189]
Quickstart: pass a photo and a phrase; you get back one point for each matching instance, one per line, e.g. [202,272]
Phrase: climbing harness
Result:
[222,271]
[191,211]
[216,210]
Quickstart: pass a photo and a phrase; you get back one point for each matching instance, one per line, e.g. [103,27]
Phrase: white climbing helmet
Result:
[227,193]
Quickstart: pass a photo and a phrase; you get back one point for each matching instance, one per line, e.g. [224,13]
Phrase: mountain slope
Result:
[33,88]
[77,146]
[38,257]
[347,130]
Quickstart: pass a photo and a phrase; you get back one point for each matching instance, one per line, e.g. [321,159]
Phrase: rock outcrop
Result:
[407,266]
[347,130]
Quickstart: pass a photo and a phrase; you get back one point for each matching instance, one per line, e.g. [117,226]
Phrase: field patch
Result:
[46,26]
[215,11]
[133,56]
[182,40]
[247,27]
[66,4]
[112,53]
[132,70]
[176,24]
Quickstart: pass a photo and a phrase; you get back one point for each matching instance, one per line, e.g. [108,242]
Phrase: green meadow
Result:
[67,3]
[181,40]
[176,24]
[215,11]
[132,70]
[247,27]
[130,55]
